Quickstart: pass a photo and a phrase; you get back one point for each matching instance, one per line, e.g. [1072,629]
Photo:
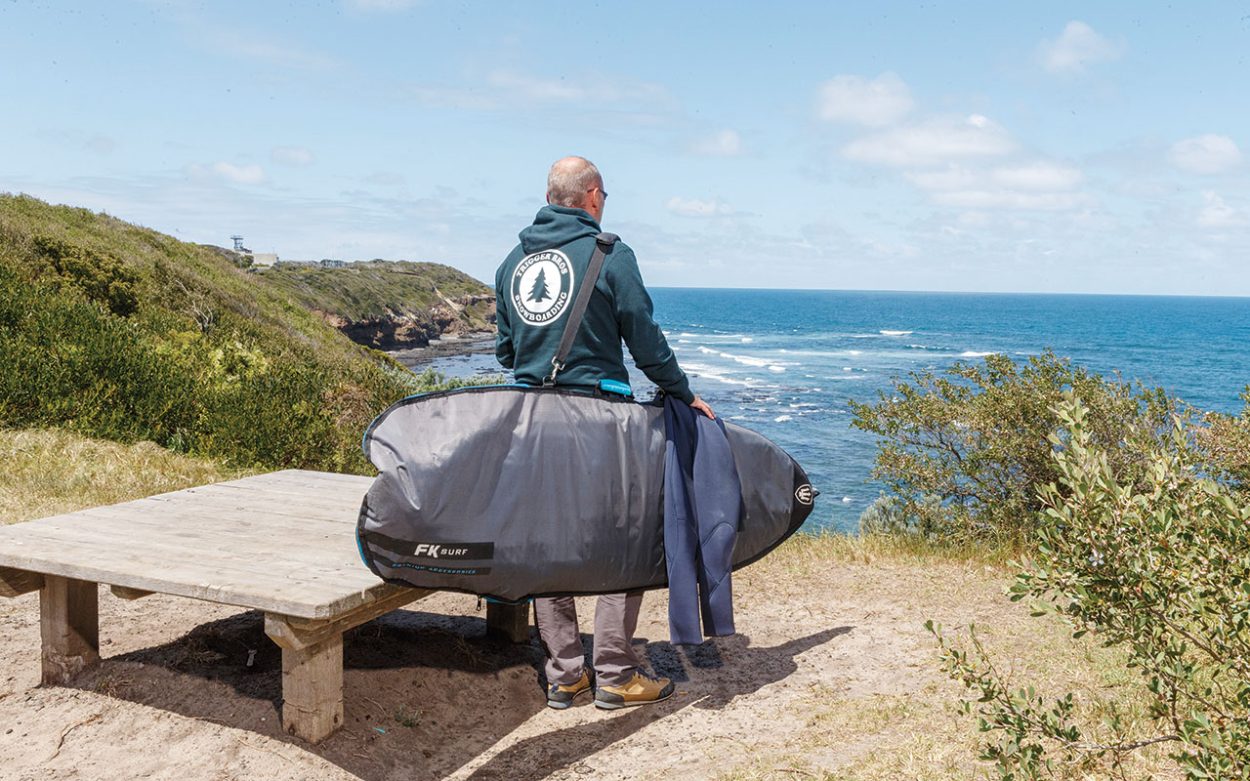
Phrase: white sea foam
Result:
[781,418]
[887,332]
[973,354]
[846,500]
[733,337]
[855,352]
[712,374]
[745,360]
[747,340]
[776,369]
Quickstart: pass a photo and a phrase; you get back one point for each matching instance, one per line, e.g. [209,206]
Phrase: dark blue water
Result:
[786,363]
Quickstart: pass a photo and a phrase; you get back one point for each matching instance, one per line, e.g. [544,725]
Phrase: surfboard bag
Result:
[513,492]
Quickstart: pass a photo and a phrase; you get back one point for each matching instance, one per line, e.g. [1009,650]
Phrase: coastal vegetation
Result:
[1130,518]
[382,303]
[132,363]
[118,332]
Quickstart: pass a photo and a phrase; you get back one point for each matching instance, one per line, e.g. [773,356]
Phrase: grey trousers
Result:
[616,618]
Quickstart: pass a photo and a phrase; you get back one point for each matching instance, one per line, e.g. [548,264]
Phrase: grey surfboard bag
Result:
[514,491]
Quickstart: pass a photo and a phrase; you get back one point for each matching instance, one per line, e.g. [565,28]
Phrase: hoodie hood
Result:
[555,226]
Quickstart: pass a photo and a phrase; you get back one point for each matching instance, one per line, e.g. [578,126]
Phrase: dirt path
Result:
[831,668]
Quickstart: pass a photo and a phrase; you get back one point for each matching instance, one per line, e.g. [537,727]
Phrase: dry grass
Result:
[50,471]
[803,551]
[918,734]
[922,733]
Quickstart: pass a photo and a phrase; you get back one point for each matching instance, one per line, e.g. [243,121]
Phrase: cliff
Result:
[389,304]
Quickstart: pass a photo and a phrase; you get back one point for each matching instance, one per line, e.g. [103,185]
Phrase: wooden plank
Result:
[189,550]
[69,625]
[511,622]
[240,539]
[307,593]
[242,503]
[297,634]
[312,689]
[125,592]
[310,476]
[228,534]
[16,582]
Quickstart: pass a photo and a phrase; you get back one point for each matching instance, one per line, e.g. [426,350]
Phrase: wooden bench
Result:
[283,543]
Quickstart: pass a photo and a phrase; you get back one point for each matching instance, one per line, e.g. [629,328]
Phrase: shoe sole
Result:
[602,705]
[557,705]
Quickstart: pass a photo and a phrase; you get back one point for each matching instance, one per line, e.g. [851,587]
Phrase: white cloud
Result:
[590,88]
[724,143]
[291,155]
[932,142]
[503,89]
[1076,47]
[1038,176]
[238,174]
[691,207]
[872,102]
[1205,154]
[1215,213]
[1039,185]
[1011,199]
[254,46]
[952,177]
[380,5]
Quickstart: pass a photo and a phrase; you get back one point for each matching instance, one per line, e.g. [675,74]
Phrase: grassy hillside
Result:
[50,471]
[377,289]
[119,332]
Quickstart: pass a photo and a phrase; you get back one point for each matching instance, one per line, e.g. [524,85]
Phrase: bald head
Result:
[570,181]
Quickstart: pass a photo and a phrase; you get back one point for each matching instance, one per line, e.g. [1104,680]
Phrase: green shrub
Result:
[965,452]
[1225,443]
[118,332]
[1153,559]
[102,278]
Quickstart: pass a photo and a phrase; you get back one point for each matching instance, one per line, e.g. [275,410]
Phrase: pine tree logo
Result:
[539,291]
[542,287]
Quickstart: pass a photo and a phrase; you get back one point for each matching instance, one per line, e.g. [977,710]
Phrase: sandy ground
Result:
[428,696]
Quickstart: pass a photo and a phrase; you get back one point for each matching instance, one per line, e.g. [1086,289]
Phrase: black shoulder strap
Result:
[603,245]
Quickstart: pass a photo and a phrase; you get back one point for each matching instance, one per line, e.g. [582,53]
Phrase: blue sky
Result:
[1067,147]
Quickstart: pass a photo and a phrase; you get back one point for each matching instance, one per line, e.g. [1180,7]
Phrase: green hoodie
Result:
[534,291]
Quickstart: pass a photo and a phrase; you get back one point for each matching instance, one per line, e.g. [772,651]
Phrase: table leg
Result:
[509,621]
[312,662]
[312,689]
[69,622]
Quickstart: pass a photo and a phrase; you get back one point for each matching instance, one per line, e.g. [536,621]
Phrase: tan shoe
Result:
[561,697]
[639,690]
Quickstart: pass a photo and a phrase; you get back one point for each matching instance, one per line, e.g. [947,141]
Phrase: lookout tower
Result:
[238,243]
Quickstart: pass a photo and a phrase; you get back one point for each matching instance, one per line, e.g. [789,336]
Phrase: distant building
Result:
[259,259]
[332,263]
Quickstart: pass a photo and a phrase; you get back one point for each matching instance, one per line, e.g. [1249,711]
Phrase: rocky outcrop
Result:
[403,330]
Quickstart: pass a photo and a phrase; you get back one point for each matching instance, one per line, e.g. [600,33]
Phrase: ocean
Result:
[786,363]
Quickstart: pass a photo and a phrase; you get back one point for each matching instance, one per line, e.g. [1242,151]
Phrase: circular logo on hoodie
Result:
[542,287]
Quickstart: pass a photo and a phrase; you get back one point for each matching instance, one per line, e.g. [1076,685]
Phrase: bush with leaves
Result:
[1225,443]
[1153,559]
[964,452]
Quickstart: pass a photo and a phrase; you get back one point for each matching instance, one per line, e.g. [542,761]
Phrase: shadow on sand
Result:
[424,693]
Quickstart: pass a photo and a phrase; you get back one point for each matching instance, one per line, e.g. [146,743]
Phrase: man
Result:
[534,290]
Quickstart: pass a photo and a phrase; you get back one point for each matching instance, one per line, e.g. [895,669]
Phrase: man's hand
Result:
[700,405]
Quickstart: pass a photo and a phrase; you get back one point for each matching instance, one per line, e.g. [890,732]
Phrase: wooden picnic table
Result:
[283,543]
